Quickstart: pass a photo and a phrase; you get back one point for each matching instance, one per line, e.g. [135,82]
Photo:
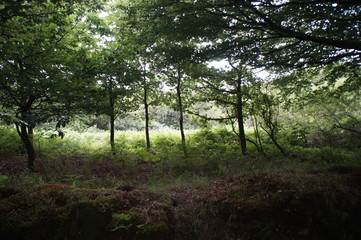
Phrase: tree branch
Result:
[285,32]
[210,118]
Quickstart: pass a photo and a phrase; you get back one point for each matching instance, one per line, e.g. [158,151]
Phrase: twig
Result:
[150,207]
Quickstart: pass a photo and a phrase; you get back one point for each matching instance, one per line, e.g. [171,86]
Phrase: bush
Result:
[74,143]
[325,155]
[209,140]
[9,141]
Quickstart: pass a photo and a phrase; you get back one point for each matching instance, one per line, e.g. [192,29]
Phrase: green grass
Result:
[84,159]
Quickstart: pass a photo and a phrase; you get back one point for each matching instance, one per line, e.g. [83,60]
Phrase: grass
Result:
[84,159]
[176,196]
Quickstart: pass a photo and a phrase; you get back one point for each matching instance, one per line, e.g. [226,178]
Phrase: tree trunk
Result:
[180,107]
[271,134]
[240,119]
[26,140]
[31,134]
[271,124]
[111,119]
[112,133]
[258,142]
[25,131]
[275,142]
[146,108]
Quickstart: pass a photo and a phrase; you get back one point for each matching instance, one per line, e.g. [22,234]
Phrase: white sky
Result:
[223,64]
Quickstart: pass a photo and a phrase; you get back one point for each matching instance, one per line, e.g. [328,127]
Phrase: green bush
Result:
[74,143]
[166,142]
[9,141]
[327,155]
[216,140]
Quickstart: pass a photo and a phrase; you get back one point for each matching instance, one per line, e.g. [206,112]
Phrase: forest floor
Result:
[80,197]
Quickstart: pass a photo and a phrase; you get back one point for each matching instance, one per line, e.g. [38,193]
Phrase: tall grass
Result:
[74,142]
[84,158]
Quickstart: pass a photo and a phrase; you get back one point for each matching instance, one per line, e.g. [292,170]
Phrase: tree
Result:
[129,50]
[152,93]
[229,89]
[280,35]
[291,33]
[174,61]
[324,102]
[266,105]
[116,75]
[146,106]
[128,18]
[40,61]
[265,33]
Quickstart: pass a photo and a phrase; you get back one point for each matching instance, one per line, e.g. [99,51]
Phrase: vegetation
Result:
[115,125]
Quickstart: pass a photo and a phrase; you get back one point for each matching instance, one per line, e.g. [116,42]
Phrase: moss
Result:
[272,207]
[27,208]
[133,225]
[60,211]
[157,230]
[129,220]
[259,206]
[126,225]
[87,220]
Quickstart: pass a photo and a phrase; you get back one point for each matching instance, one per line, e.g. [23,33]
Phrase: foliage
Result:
[262,33]
[9,141]
[41,63]
[85,159]
[145,65]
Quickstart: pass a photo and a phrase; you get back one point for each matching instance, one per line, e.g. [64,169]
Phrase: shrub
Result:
[9,141]
[325,155]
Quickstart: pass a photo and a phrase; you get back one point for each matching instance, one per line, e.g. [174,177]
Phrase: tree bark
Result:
[240,118]
[146,109]
[23,133]
[180,107]
[256,131]
[111,118]
[270,123]
[271,134]
[112,133]
[31,134]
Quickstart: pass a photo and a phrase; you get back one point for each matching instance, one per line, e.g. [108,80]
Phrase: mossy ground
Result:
[249,206]
[212,193]
[53,211]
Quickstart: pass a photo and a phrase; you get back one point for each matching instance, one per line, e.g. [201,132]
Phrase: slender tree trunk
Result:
[180,106]
[112,133]
[22,131]
[25,131]
[31,134]
[259,144]
[146,108]
[240,118]
[271,134]
[271,124]
[112,119]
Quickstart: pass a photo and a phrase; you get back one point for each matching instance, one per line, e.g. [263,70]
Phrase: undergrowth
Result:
[84,159]
[164,194]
